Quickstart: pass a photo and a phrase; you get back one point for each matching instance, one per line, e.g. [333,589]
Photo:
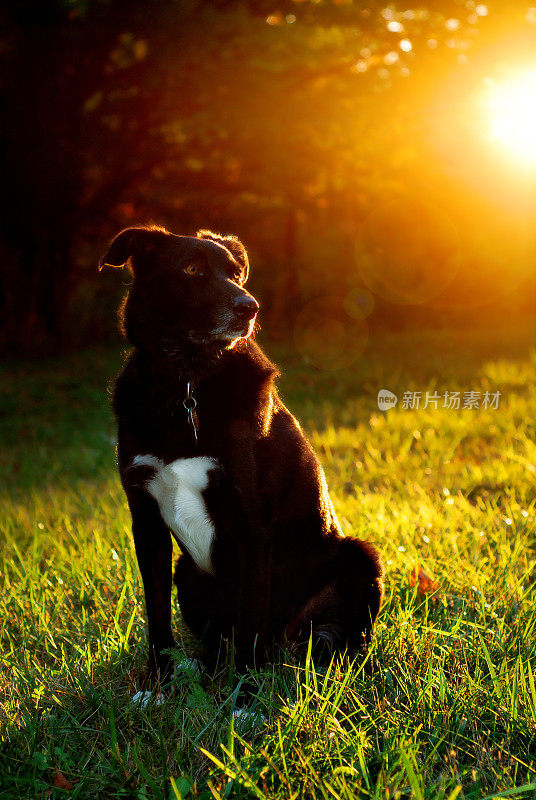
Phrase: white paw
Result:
[143,699]
[245,719]
[189,666]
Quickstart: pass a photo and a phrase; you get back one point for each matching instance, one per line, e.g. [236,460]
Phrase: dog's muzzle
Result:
[245,308]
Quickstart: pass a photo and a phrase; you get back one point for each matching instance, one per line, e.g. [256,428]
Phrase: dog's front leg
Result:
[152,540]
[254,599]
[255,580]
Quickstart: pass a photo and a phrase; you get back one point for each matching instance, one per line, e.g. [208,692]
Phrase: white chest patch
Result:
[177,488]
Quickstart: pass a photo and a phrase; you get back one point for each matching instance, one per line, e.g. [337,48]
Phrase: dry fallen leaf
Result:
[425,584]
[60,781]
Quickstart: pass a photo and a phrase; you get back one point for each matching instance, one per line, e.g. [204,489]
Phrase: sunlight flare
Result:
[512,110]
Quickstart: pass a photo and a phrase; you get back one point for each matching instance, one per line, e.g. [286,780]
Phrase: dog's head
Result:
[185,288]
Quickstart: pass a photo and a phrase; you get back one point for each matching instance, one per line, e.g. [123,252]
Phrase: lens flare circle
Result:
[359,303]
[512,111]
[328,336]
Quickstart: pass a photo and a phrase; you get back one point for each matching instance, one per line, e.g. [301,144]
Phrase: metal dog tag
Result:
[190,404]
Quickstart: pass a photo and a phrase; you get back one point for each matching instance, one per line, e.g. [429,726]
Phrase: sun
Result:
[511,106]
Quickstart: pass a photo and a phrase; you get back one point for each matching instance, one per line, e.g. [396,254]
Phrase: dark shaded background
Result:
[348,165]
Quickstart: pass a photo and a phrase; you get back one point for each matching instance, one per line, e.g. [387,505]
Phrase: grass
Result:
[449,708]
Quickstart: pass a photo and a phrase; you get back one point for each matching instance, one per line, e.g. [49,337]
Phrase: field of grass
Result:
[448,709]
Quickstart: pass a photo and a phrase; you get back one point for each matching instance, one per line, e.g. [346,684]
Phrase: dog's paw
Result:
[145,698]
[190,667]
[246,720]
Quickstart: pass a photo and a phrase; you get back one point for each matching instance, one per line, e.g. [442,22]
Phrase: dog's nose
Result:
[245,307]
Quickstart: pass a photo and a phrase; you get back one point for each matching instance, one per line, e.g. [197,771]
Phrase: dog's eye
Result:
[192,269]
[237,276]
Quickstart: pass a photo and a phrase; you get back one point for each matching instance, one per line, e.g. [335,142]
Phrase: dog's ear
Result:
[129,244]
[233,244]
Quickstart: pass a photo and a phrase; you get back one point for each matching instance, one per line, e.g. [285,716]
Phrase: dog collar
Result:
[190,404]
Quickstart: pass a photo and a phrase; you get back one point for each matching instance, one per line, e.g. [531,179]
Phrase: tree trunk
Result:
[286,296]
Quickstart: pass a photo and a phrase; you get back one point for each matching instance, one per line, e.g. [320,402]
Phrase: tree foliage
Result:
[279,121]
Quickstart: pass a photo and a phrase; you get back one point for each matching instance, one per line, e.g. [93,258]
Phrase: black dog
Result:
[208,451]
